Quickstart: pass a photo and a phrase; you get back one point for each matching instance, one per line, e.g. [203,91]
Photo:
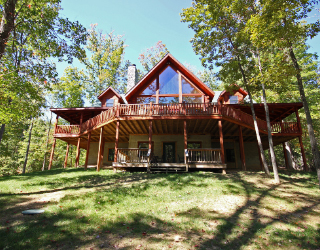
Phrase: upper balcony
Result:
[174,111]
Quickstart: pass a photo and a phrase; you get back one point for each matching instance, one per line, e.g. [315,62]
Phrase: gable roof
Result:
[167,60]
[235,88]
[108,90]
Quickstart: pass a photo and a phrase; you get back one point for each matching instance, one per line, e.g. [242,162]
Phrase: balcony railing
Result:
[67,129]
[132,155]
[176,109]
[204,155]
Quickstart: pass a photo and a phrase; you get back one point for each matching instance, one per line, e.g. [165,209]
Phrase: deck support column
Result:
[221,141]
[66,158]
[87,153]
[241,144]
[185,136]
[78,144]
[101,149]
[285,155]
[150,142]
[116,144]
[300,141]
[78,153]
[53,144]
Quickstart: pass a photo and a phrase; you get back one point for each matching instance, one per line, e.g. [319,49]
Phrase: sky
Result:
[143,23]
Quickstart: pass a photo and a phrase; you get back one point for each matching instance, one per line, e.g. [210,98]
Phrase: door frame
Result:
[175,148]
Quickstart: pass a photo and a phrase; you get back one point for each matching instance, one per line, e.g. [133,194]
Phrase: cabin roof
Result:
[167,60]
[277,111]
[73,115]
[105,92]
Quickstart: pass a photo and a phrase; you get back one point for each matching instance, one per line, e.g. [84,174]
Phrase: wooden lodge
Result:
[170,120]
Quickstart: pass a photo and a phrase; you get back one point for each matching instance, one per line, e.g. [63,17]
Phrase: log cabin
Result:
[170,120]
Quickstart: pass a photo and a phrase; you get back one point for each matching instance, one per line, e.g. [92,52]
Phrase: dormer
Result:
[234,96]
[110,98]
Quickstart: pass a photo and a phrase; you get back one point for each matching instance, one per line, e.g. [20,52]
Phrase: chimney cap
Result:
[133,64]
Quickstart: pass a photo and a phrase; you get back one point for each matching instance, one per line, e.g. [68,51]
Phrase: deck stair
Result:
[168,168]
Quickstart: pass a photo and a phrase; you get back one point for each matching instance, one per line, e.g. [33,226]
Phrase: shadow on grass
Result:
[63,229]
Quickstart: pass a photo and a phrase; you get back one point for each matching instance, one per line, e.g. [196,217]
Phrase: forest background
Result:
[51,61]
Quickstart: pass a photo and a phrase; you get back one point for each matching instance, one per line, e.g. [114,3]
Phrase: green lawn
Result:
[90,210]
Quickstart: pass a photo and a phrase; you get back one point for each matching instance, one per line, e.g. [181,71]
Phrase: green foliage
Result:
[103,66]
[69,92]
[151,56]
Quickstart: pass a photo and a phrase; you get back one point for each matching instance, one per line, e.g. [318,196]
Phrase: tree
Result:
[220,37]
[151,56]
[26,72]
[280,24]
[103,67]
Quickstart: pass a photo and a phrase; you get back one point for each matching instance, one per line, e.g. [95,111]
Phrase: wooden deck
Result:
[165,112]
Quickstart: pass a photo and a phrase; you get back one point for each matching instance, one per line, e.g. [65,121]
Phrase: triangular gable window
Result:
[151,89]
[187,88]
[169,82]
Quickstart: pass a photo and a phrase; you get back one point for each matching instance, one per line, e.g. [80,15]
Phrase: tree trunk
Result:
[265,166]
[2,131]
[266,108]
[289,155]
[45,152]
[313,142]
[27,152]
[7,23]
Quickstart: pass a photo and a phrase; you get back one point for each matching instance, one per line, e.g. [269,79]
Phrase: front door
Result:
[169,152]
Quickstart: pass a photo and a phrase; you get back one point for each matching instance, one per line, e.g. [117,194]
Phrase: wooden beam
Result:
[116,143]
[66,158]
[52,153]
[78,152]
[150,134]
[185,137]
[305,167]
[87,153]
[241,145]
[100,153]
[221,141]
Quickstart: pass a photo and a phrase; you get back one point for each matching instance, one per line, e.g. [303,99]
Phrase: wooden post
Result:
[87,153]
[53,145]
[305,167]
[78,144]
[100,153]
[150,134]
[116,143]
[221,141]
[285,155]
[66,158]
[78,153]
[242,154]
[185,137]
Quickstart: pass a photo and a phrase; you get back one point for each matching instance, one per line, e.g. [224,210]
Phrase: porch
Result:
[204,158]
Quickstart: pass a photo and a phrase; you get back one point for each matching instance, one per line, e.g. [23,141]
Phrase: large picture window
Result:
[170,87]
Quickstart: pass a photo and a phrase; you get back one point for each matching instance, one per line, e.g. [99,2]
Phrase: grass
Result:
[106,210]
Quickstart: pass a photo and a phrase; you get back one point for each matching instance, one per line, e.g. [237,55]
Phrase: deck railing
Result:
[204,155]
[67,129]
[180,109]
[132,155]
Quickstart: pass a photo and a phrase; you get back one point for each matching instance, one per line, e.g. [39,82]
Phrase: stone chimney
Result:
[132,77]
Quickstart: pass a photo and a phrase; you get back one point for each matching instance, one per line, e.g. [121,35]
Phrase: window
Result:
[111,154]
[109,102]
[187,88]
[169,82]
[169,99]
[146,100]
[193,145]
[233,99]
[151,89]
